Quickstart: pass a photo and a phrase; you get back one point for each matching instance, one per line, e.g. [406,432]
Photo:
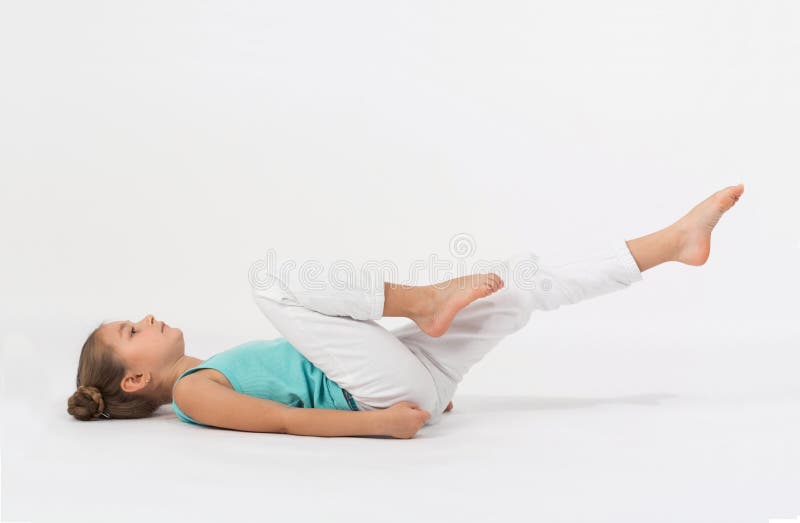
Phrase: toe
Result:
[732,196]
[724,200]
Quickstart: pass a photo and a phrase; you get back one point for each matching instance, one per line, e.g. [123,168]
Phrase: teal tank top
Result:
[274,370]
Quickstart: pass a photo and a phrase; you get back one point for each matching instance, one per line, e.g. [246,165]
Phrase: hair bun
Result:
[86,403]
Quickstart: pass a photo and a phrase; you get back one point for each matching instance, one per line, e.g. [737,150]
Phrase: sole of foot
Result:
[693,231]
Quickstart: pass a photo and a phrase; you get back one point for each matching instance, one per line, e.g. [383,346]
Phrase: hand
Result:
[404,419]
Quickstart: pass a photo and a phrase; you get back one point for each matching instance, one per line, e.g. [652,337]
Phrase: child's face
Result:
[145,346]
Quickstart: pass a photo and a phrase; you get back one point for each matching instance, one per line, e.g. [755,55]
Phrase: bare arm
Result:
[331,422]
[401,420]
[210,403]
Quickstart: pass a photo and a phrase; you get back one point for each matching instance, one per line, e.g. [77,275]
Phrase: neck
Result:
[179,367]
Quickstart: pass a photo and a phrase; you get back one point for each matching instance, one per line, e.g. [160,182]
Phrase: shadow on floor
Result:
[474,404]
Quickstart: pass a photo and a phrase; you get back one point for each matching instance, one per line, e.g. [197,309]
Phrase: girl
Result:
[335,371]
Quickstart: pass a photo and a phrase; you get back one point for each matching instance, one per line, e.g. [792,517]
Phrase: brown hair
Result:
[100,372]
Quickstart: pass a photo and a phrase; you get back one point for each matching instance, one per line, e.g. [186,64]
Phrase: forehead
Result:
[111,331]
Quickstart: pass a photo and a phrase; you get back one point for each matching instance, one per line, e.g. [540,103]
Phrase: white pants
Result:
[336,329]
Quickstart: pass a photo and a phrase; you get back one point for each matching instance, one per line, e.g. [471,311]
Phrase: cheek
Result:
[157,346]
[172,342]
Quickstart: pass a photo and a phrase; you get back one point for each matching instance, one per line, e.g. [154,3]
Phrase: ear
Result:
[134,382]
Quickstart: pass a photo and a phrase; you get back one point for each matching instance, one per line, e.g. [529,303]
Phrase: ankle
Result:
[674,241]
[421,302]
[407,301]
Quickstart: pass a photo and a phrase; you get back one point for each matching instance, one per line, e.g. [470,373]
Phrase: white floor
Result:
[590,426]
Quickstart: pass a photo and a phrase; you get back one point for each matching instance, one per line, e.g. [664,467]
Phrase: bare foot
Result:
[694,229]
[449,297]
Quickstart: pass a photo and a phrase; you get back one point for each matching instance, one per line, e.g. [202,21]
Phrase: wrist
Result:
[378,425]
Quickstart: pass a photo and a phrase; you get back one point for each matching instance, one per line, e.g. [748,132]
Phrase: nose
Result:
[149,319]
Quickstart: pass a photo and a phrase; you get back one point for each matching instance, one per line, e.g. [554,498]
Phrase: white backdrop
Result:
[150,152]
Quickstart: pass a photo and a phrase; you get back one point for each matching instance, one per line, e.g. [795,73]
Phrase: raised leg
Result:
[482,324]
[531,284]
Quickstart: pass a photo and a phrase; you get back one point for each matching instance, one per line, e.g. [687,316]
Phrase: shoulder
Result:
[192,385]
[201,376]
[184,386]
[192,394]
